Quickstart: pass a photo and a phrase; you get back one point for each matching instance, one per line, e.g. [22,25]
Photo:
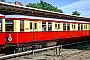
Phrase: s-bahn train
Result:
[23,32]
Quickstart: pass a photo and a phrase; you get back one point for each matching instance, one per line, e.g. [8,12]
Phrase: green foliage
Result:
[76,13]
[45,6]
[2,0]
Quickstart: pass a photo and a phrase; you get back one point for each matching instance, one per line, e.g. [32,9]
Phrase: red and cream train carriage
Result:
[30,29]
[19,30]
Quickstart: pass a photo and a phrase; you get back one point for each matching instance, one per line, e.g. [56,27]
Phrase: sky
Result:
[68,6]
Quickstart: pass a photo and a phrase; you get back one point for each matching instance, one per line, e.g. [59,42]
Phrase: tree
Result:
[76,13]
[2,0]
[45,6]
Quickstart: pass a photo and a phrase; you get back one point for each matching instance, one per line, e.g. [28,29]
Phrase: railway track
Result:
[38,50]
[26,53]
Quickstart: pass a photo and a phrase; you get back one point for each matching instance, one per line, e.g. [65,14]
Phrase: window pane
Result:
[86,26]
[43,26]
[64,26]
[68,26]
[49,26]
[81,27]
[58,26]
[78,26]
[74,26]
[30,25]
[35,25]
[21,25]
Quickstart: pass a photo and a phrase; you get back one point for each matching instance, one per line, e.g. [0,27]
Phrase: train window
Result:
[81,26]
[0,24]
[86,26]
[43,26]
[35,25]
[49,26]
[78,26]
[68,26]
[64,26]
[21,25]
[9,25]
[30,25]
[58,26]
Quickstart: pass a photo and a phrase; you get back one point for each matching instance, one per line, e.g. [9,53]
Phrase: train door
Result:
[34,28]
[9,28]
[85,30]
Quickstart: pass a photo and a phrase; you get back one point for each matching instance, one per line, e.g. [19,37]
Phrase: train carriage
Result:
[23,30]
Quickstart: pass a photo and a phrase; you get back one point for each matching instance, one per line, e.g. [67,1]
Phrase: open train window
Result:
[9,25]
[21,25]
[30,25]
[43,26]
[64,26]
[68,26]
[0,24]
[49,26]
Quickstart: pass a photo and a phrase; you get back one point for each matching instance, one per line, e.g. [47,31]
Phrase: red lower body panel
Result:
[2,38]
[62,36]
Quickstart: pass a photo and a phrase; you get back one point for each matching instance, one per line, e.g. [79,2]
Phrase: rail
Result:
[27,52]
